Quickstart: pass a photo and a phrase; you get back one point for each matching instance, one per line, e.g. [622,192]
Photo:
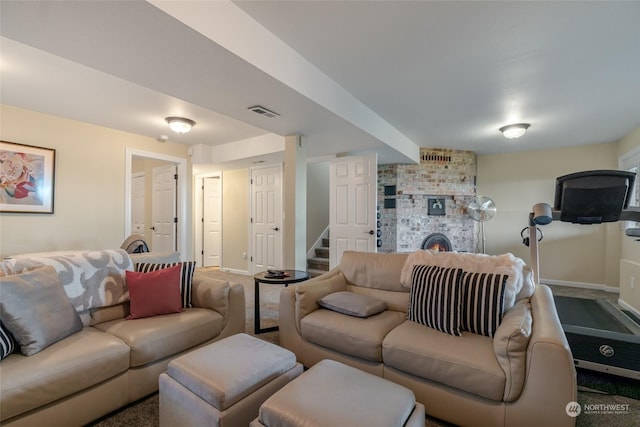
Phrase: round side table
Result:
[289,277]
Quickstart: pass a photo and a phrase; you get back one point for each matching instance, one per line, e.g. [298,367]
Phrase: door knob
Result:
[370,232]
[152,228]
[275,229]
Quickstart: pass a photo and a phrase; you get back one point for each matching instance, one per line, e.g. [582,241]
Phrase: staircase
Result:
[319,264]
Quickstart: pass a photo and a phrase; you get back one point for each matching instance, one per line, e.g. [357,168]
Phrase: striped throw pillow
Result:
[482,302]
[7,343]
[186,276]
[435,298]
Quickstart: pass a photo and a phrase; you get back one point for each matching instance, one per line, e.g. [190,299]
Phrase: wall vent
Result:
[263,111]
[435,157]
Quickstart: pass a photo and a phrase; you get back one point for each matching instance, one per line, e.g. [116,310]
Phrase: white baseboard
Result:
[234,271]
[583,285]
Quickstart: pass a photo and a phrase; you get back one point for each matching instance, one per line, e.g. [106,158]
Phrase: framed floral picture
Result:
[26,178]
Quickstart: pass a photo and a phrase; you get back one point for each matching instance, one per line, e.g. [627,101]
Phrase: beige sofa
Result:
[111,361]
[522,376]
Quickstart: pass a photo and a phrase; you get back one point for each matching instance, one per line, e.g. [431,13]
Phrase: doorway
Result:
[133,155]
[352,200]
[138,203]
[208,219]
[266,218]
[164,215]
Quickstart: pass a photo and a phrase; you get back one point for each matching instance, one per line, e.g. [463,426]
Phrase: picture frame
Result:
[27,178]
[436,206]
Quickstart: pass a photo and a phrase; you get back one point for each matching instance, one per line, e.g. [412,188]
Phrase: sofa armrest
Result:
[211,293]
[550,381]
[307,293]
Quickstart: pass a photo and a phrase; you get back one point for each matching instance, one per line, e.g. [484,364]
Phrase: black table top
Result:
[290,276]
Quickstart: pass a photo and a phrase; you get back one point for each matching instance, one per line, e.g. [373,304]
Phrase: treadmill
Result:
[601,336]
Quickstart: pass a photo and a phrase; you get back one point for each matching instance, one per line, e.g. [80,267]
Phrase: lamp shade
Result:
[180,124]
[514,131]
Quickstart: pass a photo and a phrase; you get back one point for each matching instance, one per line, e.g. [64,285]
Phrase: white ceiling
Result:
[350,76]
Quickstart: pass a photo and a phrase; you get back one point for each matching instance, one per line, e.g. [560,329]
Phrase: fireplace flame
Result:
[438,247]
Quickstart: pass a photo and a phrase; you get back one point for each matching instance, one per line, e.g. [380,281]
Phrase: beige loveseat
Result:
[522,376]
[110,361]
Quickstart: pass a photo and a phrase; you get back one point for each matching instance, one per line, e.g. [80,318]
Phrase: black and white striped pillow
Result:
[482,302]
[7,343]
[186,276]
[435,298]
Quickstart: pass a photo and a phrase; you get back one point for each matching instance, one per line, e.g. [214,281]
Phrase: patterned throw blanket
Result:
[90,279]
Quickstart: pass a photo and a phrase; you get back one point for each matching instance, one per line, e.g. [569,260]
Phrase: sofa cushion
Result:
[436,294]
[510,345]
[350,335]
[352,304]
[465,363]
[482,302]
[186,276]
[35,309]
[79,361]
[153,293]
[107,314]
[154,338]
[373,270]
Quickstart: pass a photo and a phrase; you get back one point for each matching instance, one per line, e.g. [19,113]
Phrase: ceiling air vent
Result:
[263,111]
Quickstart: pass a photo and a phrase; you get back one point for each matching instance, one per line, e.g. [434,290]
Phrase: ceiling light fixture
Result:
[514,131]
[180,124]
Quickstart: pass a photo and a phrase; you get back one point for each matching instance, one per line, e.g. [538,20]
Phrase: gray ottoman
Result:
[334,394]
[224,383]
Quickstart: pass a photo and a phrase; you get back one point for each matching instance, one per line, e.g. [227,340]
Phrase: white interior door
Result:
[164,208]
[266,218]
[211,221]
[137,203]
[352,200]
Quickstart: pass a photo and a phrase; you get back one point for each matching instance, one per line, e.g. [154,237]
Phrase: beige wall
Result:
[630,253]
[89,183]
[235,220]
[568,252]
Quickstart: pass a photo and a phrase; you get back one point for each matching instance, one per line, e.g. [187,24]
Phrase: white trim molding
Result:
[583,285]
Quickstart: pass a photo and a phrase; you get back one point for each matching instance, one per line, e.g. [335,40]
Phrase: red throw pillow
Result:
[153,293]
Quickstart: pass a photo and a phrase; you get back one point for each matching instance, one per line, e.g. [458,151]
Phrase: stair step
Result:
[322,252]
[318,263]
[325,242]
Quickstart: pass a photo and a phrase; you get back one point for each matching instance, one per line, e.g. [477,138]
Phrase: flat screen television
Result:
[593,197]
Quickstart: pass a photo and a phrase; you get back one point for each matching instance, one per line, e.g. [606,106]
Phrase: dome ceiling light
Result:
[180,124]
[515,130]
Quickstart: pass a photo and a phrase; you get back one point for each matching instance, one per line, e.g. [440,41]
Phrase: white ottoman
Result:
[334,394]
[224,383]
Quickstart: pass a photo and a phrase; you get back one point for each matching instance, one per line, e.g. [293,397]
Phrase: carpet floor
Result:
[604,398]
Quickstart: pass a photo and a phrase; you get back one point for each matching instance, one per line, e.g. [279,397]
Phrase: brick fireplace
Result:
[415,201]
